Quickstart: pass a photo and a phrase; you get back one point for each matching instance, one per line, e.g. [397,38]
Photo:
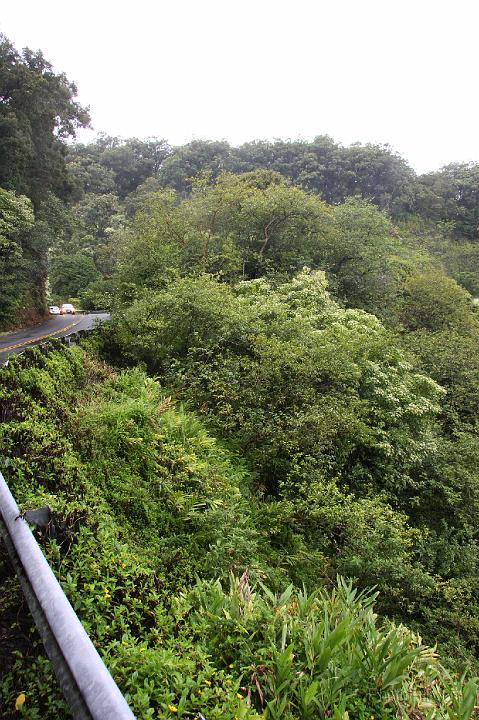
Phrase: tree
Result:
[275,226]
[115,165]
[452,195]
[284,157]
[435,302]
[132,161]
[378,174]
[188,161]
[135,200]
[286,375]
[37,113]
[244,226]
[70,275]
[449,355]
[362,257]
[323,167]
[87,173]
[16,219]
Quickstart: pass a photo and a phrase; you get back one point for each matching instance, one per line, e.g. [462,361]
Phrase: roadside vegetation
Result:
[201,593]
[265,468]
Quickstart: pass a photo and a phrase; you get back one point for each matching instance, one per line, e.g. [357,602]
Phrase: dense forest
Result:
[265,467]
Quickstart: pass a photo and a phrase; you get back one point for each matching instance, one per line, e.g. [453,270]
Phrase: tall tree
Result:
[132,161]
[187,161]
[71,275]
[16,219]
[242,226]
[37,113]
[452,195]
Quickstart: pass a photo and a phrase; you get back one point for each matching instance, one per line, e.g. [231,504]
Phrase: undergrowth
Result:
[164,552]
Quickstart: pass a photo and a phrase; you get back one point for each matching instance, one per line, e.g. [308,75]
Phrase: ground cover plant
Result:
[181,572]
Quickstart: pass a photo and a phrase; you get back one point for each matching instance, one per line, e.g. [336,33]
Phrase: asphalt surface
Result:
[56,326]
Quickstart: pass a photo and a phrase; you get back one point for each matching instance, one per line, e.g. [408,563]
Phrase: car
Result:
[54,310]
[67,309]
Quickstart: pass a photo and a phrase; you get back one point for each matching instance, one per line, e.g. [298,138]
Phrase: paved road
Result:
[55,326]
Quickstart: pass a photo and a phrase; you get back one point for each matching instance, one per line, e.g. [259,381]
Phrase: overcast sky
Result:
[403,72]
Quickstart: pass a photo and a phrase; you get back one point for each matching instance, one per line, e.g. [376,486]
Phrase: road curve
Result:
[56,326]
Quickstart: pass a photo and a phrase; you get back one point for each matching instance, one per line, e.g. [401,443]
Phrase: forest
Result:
[265,467]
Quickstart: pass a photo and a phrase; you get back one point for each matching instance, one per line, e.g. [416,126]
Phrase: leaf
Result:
[468,700]
[20,701]
[310,693]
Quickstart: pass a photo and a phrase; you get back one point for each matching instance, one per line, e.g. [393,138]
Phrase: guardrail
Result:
[88,687]
[72,338]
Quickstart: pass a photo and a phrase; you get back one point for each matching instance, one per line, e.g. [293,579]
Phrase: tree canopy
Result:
[38,112]
[71,275]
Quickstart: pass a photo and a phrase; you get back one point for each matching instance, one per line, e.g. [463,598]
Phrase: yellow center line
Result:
[41,337]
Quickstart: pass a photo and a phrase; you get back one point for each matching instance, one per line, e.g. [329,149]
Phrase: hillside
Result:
[265,469]
[181,569]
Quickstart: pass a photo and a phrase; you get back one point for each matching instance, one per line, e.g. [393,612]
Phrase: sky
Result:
[402,72]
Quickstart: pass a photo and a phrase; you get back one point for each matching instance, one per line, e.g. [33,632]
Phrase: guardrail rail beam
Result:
[86,683]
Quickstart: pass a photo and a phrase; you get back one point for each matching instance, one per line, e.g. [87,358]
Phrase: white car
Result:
[67,309]
[54,310]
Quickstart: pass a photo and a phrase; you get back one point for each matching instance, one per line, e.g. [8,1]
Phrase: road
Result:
[55,326]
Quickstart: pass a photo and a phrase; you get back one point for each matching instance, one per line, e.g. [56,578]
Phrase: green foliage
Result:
[112,164]
[189,161]
[16,216]
[71,275]
[457,256]
[452,195]
[285,379]
[322,167]
[256,224]
[150,500]
[434,302]
[444,338]
[368,467]
[279,438]
[320,655]
[363,257]
[37,113]
[449,355]
[16,219]
[98,212]
[98,295]
[119,571]
[184,495]
[241,226]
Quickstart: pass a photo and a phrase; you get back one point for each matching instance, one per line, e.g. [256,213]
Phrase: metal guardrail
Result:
[88,687]
[72,338]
